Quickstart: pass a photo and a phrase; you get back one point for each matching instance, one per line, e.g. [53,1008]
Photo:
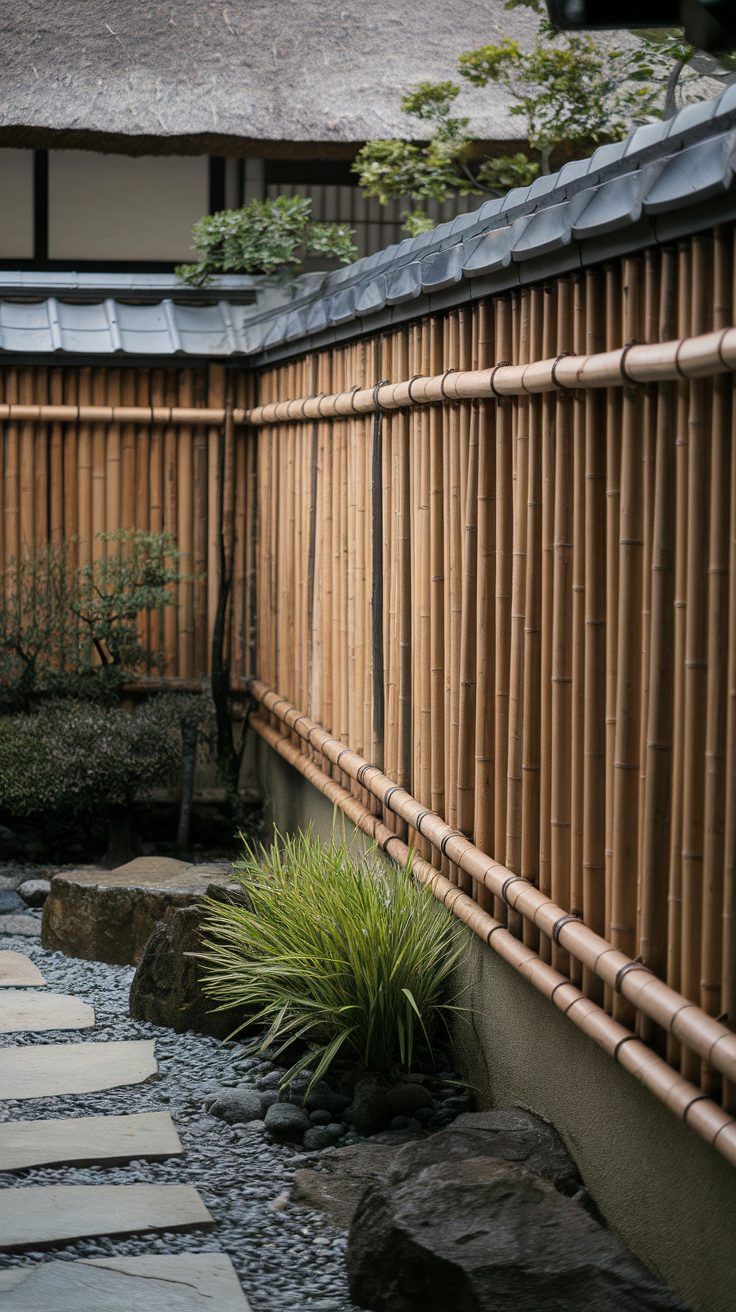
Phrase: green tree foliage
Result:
[269,236]
[570,93]
[66,627]
[334,950]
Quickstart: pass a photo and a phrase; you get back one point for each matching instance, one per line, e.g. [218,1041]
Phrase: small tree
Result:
[269,236]
[570,92]
[67,628]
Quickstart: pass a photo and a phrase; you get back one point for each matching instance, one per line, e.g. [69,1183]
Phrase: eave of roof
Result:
[666,180]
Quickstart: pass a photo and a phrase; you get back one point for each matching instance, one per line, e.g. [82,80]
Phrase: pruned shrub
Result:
[77,757]
[334,949]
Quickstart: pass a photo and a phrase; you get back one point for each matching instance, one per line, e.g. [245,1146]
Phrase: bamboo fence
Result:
[485,563]
[89,450]
[522,611]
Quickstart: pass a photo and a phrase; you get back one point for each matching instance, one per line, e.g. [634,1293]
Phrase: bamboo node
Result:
[560,925]
[630,965]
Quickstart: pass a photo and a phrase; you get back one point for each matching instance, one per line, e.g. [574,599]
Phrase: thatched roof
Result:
[224,76]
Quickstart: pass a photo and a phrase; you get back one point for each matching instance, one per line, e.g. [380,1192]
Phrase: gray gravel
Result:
[289,1259]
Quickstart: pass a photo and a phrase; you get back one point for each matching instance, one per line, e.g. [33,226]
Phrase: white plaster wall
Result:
[16,204]
[115,207]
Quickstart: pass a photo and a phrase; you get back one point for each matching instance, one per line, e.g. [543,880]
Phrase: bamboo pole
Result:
[594,732]
[437,595]
[549,438]
[531,732]
[577,668]
[625,839]
[696,661]
[485,636]
[518,599]
[504,577]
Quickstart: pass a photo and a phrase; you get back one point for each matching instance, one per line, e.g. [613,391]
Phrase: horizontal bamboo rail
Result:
[690,357]
[676,1014]
[693,357]
[684,1100]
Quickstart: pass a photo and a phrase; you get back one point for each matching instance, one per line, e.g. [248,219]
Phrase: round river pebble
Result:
[289,1258]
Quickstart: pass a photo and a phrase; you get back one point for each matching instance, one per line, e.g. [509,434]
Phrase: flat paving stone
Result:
[42,1011]
[40,1215]
[62,1068]
[18,970]
[189,1282]
[88,1140]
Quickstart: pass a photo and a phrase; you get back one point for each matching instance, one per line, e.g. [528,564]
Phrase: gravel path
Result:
[287,1257]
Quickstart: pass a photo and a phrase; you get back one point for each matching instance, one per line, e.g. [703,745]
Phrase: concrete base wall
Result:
[670,1196]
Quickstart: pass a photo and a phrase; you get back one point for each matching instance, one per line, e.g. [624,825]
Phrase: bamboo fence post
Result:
[468,621]
[696,660]
[625,839]
[578,709]
[674,896]
[425,729]
[561,665]
[185,537]
[594,745]
[518,598]
[659,721]
[711,948]
[485,638]
[549,439]
[504,584]
[531,729]
[56,463]
[437,585]
[453,579]
[613,497]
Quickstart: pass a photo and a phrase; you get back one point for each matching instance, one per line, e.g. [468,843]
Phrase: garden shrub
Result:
[77,757]
[334,949]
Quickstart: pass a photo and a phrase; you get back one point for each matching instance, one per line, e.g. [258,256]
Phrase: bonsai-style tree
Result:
[69,628]
[570,92]
[266,236]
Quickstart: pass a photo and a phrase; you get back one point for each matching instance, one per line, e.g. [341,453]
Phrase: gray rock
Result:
[408,1123]
[286,1123]
[166,988]
[320,1117]
[236,1105]
[344,1175]
[319,1137]
[10,902]
[480,1234]
[35,891]
[270,1081]
[25,926]
[322,1098]
[370,1109]
[406,1099]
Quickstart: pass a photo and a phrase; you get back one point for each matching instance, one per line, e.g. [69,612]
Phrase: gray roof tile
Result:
[492,251]
[697,173]
[371,296]
[442,268]
[404,283]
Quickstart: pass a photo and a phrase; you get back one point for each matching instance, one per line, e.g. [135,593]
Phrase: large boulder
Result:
[342,1179]
[109,915]
[166,988]
[478,1234]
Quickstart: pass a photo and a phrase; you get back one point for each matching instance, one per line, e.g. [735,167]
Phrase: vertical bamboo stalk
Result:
[485,638]
[696,657]
[518,598]
[717,647]
[561,666]
[504,586]
[549,438]
[613,498]
[658,768]
[577,762]
[437,595]
[625,839]
[531,735]
[594,745]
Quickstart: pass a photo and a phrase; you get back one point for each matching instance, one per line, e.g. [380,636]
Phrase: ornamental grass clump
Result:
[334,951]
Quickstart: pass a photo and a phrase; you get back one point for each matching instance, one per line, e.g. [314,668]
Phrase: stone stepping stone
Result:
[18,970]
[52,1069]
[85,1140]
[41,1215]
[42,1011]
[189,1282]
